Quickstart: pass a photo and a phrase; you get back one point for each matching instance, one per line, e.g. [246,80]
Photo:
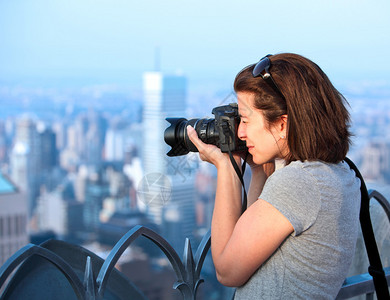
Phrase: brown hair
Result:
[318,121]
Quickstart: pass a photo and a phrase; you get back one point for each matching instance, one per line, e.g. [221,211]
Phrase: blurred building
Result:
[119,199]
[78,138]
[94,138]
[165,96]
[115,141]
[96,190]
[375,165]
[59,129]
[25,160]
[3,143]
[13,218]
[59,212]
[70,155]
[48,150]
[50,173]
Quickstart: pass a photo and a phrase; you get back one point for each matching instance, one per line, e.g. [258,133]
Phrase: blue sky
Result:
[209,41]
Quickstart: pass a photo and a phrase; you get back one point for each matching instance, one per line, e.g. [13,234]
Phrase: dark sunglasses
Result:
[263,66]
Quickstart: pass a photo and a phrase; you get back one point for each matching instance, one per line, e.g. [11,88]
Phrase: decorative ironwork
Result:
[187,273]
[55,270]
[31,250]
[93,285]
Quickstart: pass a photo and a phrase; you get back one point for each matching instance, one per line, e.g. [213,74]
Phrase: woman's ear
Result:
[283,126]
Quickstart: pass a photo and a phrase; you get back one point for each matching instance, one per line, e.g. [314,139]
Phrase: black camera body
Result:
[221,131]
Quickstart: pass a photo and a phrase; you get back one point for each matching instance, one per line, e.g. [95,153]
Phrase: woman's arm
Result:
[260,173]
[239,244]
[255,237]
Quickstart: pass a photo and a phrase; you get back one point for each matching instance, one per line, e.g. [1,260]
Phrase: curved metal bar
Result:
[89,282]
[31,250]
[19,256]
[188,260]
[382,201]
[185,290]
[193,268]
[201,252]
[357,285]
[125,242]
[187,287]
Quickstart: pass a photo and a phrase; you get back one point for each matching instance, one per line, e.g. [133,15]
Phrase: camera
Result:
[221,131]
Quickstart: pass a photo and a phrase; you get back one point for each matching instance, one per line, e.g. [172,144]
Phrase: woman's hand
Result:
[207,152]
[267,168]
[260,173]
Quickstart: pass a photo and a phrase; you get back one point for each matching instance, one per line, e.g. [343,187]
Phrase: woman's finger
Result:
[207,152]
[194,137]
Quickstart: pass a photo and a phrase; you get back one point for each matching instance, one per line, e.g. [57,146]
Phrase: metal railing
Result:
[363,284]
[93,285]
[360,285]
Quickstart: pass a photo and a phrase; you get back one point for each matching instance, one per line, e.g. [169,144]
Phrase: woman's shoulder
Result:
[309,172]
[315,166]
[297,167]
[296,173]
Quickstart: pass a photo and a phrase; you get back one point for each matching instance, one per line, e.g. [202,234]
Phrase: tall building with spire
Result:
[165,96]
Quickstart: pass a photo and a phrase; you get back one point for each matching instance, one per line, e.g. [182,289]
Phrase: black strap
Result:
[375,269]
[240,173]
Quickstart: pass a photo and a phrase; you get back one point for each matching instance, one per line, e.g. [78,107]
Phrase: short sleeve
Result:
[295,193]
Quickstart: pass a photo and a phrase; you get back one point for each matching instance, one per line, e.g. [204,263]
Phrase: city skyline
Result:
[90,196]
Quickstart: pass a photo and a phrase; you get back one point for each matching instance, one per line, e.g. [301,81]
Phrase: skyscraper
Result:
[25,169]
[58,211]
[13,218]
[165,96]
[114,147]
[48,151]
[94,138]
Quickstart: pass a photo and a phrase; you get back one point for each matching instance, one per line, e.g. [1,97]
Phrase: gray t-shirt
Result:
[322,202]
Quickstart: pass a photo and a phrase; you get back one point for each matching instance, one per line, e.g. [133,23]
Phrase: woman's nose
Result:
[241,132]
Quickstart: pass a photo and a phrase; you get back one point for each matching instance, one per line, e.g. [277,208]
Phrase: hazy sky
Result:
[116,40]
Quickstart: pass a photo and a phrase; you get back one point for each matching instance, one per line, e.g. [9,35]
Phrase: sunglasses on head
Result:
[263,66]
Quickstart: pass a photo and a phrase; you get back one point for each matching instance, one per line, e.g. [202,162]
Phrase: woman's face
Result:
[264,142]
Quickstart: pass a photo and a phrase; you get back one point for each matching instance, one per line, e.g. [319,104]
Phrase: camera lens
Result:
[176,134]
[207,133]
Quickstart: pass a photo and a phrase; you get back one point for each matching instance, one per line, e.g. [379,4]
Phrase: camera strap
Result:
[240,173]
[375,269]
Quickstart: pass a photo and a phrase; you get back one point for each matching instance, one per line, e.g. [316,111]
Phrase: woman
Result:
[297,237]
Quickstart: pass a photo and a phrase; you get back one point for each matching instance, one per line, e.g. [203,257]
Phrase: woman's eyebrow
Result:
[243,114]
